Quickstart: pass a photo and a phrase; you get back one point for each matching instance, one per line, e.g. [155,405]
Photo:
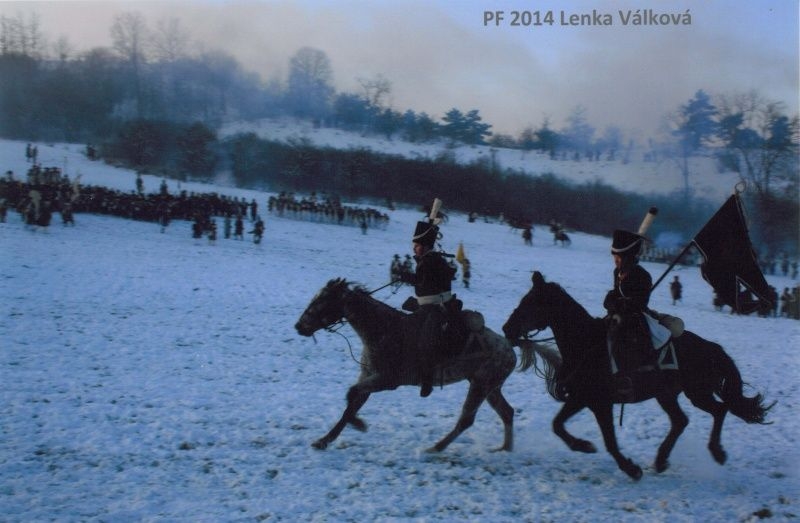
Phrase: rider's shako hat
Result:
[425,233]
[626,243]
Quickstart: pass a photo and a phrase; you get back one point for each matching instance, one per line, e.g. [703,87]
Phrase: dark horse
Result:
[390,359]
[584,377]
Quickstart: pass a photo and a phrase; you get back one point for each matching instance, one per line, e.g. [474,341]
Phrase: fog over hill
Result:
[659,176]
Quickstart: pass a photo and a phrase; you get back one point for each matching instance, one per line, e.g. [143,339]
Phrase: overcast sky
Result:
[440,54]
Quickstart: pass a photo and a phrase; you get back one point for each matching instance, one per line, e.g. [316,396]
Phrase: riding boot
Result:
[426,387]
[623,383]
[431,338]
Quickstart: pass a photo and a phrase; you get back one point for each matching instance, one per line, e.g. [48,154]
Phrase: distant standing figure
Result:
[676,289]
[227,227]
[258,230]
[527,235]
[466,272]
[238,228]
[253,210]
[66,214]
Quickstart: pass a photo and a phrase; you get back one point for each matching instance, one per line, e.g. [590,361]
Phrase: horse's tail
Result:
[749,409]
[548,370]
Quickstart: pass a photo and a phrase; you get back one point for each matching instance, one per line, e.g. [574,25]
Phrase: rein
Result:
[527,337]
[396,283]
[336,326]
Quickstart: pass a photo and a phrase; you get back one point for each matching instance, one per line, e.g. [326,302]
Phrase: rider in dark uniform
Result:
[432,285]
[628,334]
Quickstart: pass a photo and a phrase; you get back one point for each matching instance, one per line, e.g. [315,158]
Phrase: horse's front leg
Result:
[357,396]
[355,400]
[569,409]
[604,414]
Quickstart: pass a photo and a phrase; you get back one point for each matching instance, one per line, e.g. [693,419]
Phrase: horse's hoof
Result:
[586,447]
[632,469]
[320,444]
[504,448]
[661,466]
[720,456]
[358,424]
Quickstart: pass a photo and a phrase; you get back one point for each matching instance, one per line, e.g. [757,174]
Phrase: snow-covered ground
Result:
[156,377]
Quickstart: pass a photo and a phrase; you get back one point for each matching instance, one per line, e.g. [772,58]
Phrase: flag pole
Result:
[672,265]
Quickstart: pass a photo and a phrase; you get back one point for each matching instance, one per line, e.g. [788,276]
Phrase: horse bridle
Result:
[528,337]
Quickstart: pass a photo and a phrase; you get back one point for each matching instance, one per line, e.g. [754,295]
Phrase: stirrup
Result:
[623,386]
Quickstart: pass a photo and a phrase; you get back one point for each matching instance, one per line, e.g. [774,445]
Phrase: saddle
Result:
[464,327]
[663,330]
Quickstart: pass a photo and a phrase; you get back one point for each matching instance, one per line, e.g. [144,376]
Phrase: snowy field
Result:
[156,377]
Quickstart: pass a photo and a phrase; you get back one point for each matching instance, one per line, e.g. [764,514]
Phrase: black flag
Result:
[730,265]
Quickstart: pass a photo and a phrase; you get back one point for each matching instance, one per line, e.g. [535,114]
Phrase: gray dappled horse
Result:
[390,358]
[583,379]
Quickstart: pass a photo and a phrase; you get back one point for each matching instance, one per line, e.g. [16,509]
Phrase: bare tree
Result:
[310,85]
[169,40]
[62,48]
[376,90]
[129,34]
[760,141]
[23,37]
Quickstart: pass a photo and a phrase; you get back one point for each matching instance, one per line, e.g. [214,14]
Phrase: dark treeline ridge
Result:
[592,207]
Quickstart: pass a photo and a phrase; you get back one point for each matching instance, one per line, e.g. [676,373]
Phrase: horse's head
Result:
[533,311]
[325,309]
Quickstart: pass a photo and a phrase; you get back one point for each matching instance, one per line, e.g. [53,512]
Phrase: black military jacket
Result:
[630,294]
[433,275]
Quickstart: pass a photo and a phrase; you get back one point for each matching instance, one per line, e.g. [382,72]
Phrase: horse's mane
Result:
[564,296]
[580,326]
[362,292]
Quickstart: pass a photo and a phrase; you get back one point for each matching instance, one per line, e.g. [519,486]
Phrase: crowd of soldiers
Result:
[770,265]
[325,209]
[47,190]
[45,193]
[400,268]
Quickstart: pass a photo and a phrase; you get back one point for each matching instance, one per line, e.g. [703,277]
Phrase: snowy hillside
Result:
[637,176]
[156,377]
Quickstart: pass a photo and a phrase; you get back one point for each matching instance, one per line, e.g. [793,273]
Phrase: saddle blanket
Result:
[658,332]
